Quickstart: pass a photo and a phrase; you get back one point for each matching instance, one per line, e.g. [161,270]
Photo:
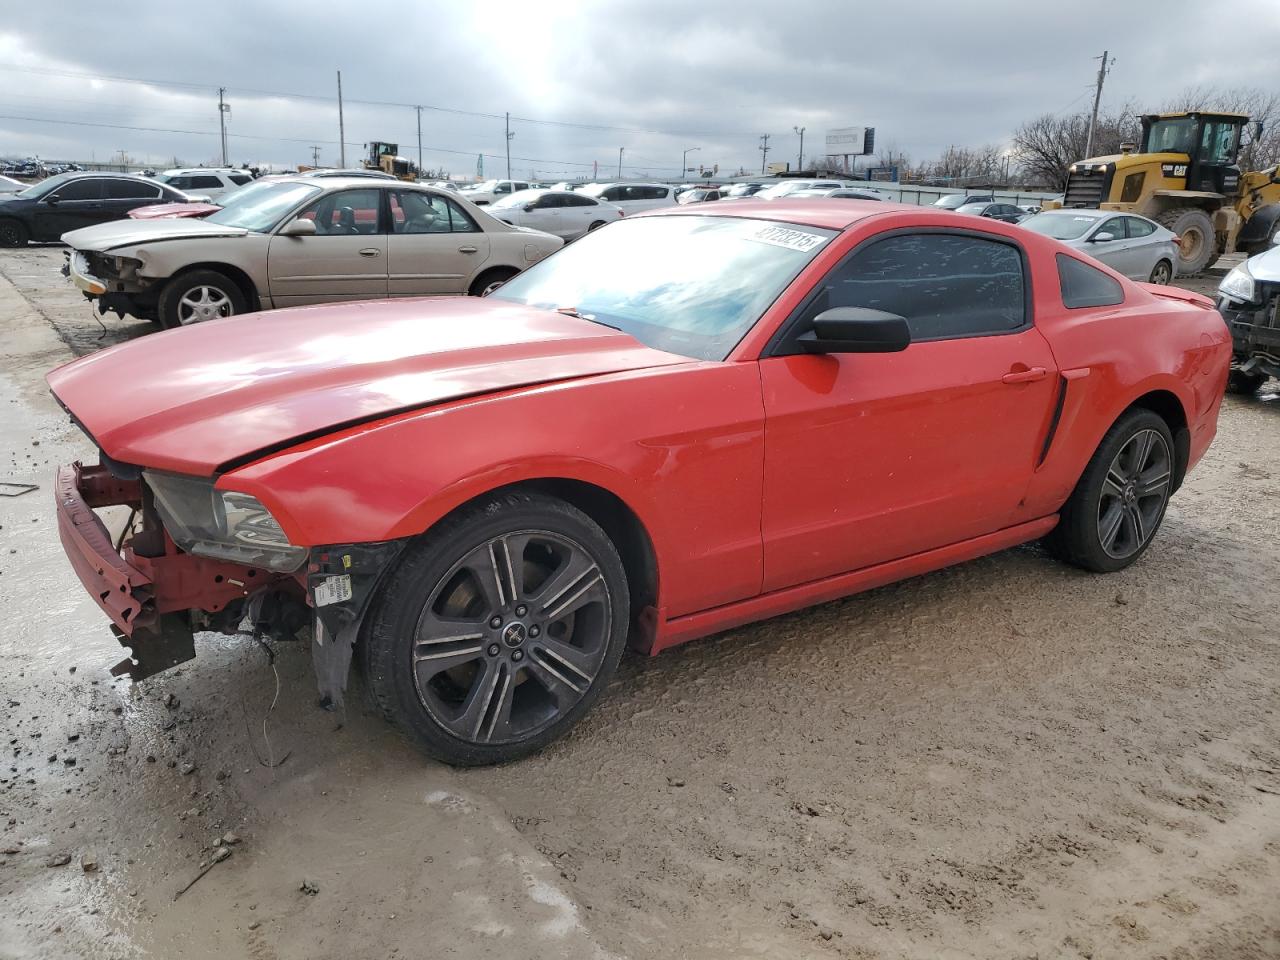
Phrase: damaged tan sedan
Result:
[299,241]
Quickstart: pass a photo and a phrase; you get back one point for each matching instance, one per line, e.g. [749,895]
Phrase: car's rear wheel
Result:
[490,281]
[1162,272]
[595,226]
[498,629]
[199,296]
[1244,383]
[1117,506]
[13,233]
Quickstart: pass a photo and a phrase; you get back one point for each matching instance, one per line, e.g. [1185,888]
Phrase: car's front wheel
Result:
[1118,504]
[198,296]
[13,234]
[498,629]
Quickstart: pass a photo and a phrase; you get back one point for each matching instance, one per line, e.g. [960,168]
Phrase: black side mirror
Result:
[856,330]
[529,207]
[52,199]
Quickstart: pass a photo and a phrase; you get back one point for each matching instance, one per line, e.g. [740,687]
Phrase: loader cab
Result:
[1210,141]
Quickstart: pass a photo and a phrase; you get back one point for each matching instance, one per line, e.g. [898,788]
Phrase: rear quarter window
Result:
[1086,286]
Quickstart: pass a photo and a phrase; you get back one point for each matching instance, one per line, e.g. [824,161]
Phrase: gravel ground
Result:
[1007,759]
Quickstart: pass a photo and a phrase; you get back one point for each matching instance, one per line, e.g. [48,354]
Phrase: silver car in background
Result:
[1139,248]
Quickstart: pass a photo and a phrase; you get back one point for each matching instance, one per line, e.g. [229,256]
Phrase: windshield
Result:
[486,187]
[1060,226]
[259,206]
[691,285]
[1171,136]
[951,201]
[37,190]
[971,208]
[517,199]
[743,190]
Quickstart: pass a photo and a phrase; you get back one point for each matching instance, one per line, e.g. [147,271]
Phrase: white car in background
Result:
[559,212]
[482,194]
[633,197]
[840,193]
[1139,248]
[210,182]
[784,188]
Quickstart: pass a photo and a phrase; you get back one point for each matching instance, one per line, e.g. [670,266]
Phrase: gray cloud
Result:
[713,75]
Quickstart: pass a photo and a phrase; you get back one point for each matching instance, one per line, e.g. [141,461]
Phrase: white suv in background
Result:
[482,194]
[633,197]
[209,182]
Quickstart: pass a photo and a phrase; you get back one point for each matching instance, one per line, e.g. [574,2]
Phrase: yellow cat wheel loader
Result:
[1185,176]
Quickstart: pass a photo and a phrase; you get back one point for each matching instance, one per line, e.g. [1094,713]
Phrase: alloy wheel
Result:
[203,303]
[1134,494]
[1161,274]
[512,637]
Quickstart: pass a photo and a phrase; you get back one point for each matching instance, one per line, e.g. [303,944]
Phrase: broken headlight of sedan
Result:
[1238,285]
[222,524]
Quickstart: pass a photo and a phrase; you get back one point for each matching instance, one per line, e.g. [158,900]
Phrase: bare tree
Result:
[1047,146]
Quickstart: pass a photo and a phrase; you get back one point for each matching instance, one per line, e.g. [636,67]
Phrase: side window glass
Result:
[417,213]
[945,285]
[346,213]
[206,182]
[1139,228]
[1086,286]
[240,179]
[458,219]
[1114,226]
[90,188]
[130,190]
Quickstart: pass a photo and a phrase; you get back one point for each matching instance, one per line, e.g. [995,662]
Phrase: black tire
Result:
[1116,478]
[497,684]
[1199,243]
[487,281]
[13,233]
[1161,273]
[219,293]
[1244,383]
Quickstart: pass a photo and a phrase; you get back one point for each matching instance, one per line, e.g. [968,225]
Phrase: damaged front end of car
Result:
[192,557]
[114,284]
[1249,301]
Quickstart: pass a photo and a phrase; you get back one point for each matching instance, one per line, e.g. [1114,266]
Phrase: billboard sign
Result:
[851,141]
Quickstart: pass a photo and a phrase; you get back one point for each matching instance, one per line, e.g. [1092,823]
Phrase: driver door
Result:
[434,248]
[346,259]
[870,457]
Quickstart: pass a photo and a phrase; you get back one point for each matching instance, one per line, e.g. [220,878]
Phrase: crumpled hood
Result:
[196,399]
[132,233]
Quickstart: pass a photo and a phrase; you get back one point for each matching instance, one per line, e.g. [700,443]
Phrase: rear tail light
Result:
[1177,239]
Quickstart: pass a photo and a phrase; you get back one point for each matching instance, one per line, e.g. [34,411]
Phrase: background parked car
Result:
[953,201]
[301,240]
[633,197]
[46,210]
[1004,212]
[559,212]
[735,191]
[843,193]
[1139,248]
[206,181]
[1247,299]
[699,195]
[784,188]
[482,194]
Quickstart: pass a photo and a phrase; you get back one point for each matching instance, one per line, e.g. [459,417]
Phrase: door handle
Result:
[370,252]
[1024,376]
[467,249]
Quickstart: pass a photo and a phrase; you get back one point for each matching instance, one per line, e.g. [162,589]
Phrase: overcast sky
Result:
[660,75]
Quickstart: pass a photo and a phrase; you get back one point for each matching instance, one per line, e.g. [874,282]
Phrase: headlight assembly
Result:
[1239,285]
[222,524]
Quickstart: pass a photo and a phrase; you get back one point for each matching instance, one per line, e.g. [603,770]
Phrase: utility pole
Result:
[764,150]
[419,109]
[684,163]
[223,109]
[800,162]
[620,149]
[342,130]
[509,136]
[315,156]
[1097,99]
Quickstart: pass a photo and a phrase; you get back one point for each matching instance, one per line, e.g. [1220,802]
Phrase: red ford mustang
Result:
[686,421]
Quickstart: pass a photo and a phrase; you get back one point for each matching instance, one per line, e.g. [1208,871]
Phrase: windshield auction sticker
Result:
[786,237]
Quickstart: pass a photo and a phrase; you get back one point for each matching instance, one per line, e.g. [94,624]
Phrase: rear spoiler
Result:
[1177,293]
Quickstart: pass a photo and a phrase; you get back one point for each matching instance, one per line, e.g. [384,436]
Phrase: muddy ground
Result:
[1007,759]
